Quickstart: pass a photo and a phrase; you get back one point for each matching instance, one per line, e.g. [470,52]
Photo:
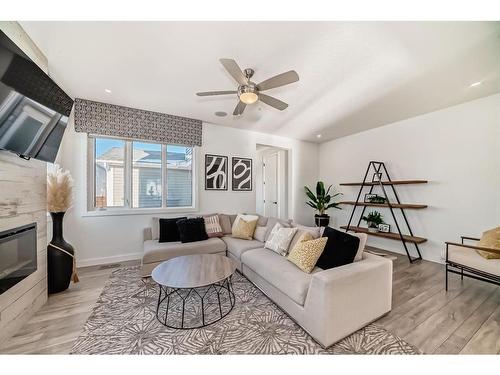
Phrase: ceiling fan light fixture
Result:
[249,92]
[249,97]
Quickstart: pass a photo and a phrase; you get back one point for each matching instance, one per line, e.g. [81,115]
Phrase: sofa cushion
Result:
[363,237]
[262,221]
[280,240]
[169,232]
[244,229]
[192,230]
[279,272]
[470,257]
[260,234]
[307,251]
[340,249]
[155,228]
[237,246]
[155,251]
[212,226]
[490,239]
[225,223]
[247,218]
[301,229]
[271,222]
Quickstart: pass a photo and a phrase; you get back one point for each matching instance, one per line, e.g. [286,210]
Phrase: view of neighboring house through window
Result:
[134,174]
[146,175]
[109,173]
[179,176]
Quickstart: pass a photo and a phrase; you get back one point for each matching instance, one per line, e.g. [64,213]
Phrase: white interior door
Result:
[270,185]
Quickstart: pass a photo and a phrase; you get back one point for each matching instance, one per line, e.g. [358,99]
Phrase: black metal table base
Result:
[221,289]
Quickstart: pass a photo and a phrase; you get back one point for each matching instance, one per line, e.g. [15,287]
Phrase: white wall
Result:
[103,239]
[457,149]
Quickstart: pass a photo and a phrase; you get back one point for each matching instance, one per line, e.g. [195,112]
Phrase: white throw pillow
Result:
[275,229]
[363,237]
[244,217]
[280,241]
[155,228]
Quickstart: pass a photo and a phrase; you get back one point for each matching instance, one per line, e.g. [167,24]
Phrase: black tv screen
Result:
[34,110]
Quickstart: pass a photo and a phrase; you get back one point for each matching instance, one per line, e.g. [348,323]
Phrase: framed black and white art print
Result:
[242,174]
[216,172]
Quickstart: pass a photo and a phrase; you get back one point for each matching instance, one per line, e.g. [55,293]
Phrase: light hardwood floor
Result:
[466,319]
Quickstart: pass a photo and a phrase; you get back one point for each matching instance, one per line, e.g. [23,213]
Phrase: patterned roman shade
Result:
[123,122]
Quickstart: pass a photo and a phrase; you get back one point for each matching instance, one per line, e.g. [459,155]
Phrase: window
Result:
[146,175]
[109,173]
[179,176]
[139,175]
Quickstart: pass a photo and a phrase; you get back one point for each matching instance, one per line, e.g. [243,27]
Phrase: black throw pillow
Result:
[169,232]
[192,230]
[340,249]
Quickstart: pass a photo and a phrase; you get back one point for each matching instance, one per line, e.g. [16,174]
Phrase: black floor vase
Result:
[59,257]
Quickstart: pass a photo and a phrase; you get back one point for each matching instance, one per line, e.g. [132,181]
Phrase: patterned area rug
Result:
[124,322]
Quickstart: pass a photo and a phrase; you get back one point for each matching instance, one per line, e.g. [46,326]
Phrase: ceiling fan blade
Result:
[240,107]
[208,93]
[234,70]
[273,102]
[279,80]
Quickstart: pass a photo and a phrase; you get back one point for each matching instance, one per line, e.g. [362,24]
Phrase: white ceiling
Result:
[353,75]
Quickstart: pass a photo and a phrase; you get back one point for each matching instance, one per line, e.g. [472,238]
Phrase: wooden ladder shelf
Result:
[379,170]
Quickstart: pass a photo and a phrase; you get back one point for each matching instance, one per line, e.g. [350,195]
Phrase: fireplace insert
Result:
[17,255]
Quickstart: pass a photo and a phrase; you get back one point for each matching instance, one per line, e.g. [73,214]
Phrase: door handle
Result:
[275,202]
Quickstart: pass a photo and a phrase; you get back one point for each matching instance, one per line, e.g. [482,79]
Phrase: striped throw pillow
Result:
[212,226]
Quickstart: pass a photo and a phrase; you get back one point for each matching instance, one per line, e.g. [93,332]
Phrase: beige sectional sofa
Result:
[328,304]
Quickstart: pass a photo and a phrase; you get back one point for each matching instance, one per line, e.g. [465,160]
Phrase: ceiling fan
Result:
[250,92]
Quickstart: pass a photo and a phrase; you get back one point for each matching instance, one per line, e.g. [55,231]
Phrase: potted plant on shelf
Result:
[60,254]
[373,219]
[322,201]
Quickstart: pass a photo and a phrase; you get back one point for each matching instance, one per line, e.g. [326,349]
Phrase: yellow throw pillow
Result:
[244,229]
[491,239]
[307,251]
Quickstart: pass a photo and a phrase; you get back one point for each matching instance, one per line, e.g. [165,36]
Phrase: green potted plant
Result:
[322,201]
[373,219]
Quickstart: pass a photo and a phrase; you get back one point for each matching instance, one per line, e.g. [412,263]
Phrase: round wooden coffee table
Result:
[194,279]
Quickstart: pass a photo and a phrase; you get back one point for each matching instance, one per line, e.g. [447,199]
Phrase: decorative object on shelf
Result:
[384,228]
[242,174]
[373,220]
[215,172]
[368,197]
[375,198]
[380,170]
[61,266]
[322,201]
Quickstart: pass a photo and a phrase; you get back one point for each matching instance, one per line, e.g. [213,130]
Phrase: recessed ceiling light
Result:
[221,114]
[476,84]
[318,136]
[108,91]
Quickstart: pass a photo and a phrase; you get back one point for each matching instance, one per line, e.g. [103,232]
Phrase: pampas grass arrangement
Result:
[59,190]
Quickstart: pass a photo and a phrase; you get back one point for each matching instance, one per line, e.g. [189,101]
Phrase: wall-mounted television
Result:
[34,110]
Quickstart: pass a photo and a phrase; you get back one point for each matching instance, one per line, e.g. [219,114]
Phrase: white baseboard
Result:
[107,260]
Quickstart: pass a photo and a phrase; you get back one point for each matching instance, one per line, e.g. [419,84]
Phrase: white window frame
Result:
[127,209]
